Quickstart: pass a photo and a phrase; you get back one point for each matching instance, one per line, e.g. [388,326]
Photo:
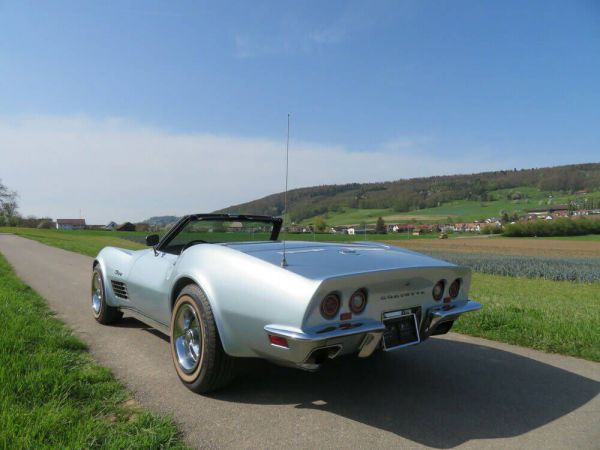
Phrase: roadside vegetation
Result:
[52,394]
[551,316]
[87,242]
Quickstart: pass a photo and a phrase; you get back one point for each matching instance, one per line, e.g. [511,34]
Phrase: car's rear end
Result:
[399,302]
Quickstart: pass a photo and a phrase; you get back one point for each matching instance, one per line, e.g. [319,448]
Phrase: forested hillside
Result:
[420,193]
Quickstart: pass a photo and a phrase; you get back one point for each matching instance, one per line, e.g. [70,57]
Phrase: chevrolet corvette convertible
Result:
[224,287]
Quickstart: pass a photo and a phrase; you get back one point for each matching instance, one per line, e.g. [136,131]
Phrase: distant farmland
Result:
[583,247]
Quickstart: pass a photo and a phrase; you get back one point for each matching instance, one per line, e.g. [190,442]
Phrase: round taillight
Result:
[438,290]
[358,301]
[330,306]
[454,288]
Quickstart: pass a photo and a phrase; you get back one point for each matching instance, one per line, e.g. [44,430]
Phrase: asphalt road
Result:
[449,392]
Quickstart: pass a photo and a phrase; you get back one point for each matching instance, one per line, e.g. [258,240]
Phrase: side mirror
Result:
[152,240]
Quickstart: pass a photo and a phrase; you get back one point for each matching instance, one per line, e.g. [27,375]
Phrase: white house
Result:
[70,224]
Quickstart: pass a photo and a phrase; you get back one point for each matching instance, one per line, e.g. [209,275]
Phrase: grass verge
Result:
[551,316]
[87,242]
[52,394]
[90,242]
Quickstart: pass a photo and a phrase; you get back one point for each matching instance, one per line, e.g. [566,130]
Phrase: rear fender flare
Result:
[206,287]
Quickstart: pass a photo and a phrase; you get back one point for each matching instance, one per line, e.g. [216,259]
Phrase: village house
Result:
[400,227]
[295,229]
[339,229]
[467,227]
[542,213]
[581,212]
[70,224]
[127,226]
[497,223]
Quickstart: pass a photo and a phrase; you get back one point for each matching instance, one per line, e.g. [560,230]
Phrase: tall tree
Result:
[8,206]
[320,224]
[380,226]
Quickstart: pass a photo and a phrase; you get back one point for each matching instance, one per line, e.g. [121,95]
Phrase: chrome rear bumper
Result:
[347,337]
[306,349]
[447,313]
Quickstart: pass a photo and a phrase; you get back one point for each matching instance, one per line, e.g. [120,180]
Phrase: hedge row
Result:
[555,227]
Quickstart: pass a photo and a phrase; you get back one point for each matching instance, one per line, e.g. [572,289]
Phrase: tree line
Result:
[9,212]
[557,227]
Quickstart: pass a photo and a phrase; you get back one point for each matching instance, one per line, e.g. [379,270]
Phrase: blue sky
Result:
[388,89]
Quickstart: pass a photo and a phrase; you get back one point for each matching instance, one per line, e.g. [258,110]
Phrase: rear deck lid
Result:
[326,260]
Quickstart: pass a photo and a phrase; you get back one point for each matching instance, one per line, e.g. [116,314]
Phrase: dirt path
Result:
[455,391]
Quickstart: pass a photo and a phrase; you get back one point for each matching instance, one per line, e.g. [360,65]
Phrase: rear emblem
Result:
[398,295]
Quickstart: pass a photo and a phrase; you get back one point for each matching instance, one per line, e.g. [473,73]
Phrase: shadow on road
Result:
[440,394]
[130,322]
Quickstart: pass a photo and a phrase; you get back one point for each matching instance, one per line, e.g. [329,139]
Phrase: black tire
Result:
[213,369]
[103,312]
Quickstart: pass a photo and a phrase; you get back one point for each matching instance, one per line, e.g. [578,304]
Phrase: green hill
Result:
[460,197]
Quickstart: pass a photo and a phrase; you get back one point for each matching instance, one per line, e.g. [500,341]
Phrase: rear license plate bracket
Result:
[401,331]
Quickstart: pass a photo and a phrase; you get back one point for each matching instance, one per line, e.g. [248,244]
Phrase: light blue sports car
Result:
[224,287]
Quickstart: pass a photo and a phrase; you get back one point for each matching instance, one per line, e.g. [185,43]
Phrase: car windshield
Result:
[198,231]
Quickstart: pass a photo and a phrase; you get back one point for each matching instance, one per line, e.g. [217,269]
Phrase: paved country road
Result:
[448,392]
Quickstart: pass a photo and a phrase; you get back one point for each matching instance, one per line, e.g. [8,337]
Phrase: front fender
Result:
[114,263]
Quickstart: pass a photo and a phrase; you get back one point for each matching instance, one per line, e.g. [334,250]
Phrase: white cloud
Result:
[114,169]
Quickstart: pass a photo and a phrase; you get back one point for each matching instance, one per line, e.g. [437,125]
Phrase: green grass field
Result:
[90,242]
[459,211]
[552,316]
[52,394]
[87,242]
[352,216]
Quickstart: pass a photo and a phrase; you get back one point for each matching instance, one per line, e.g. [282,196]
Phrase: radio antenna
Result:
[287,159]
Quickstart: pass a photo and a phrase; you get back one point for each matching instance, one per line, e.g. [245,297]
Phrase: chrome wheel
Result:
[96,293]
[187,334]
